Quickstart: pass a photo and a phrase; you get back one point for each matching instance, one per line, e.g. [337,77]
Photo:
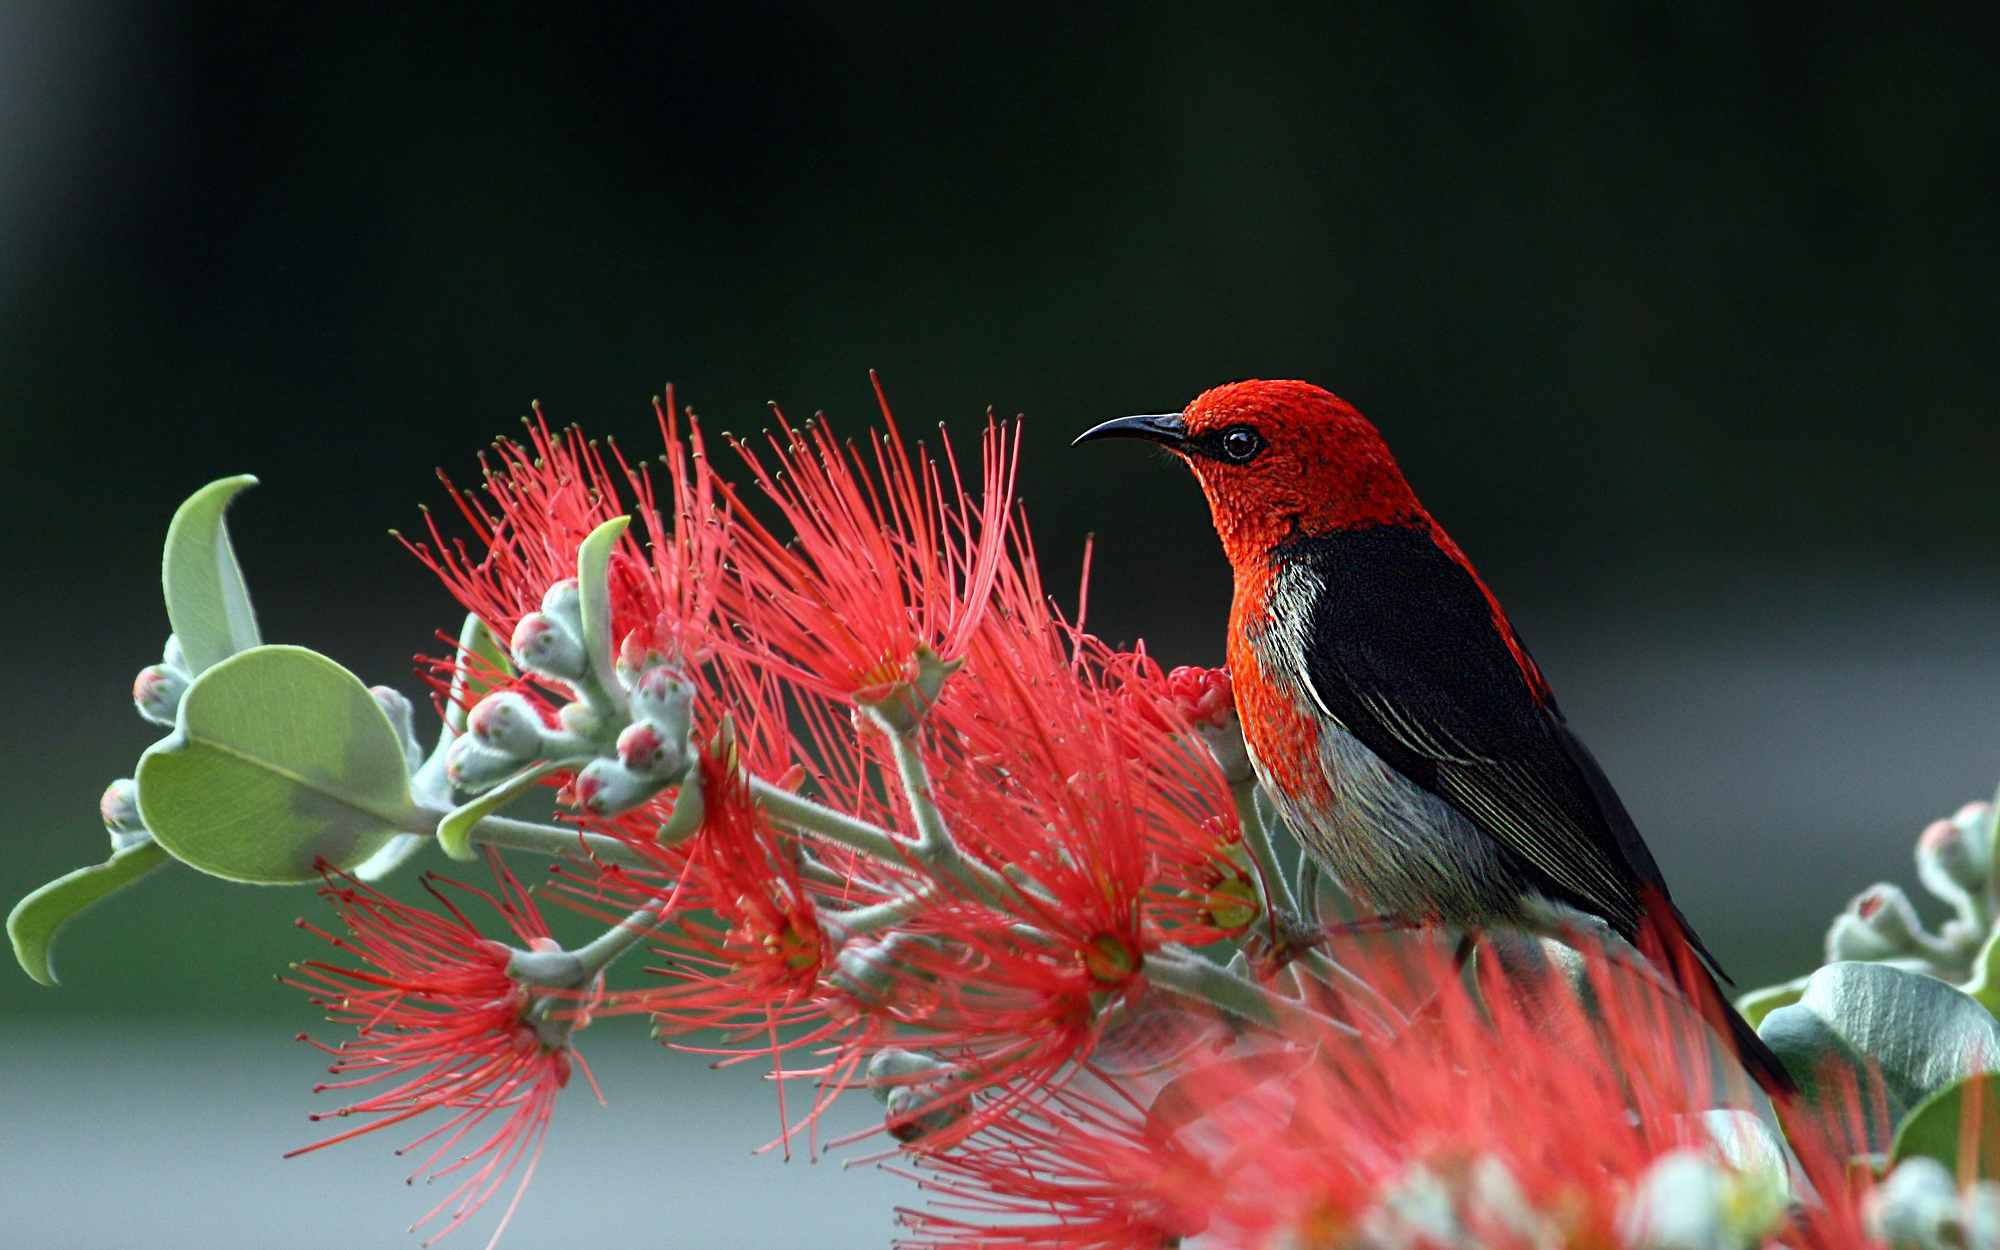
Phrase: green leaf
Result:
[477,648]
[455,830]
[36,920]
[281,758]
[1875,1029]
[1762,1002]
[207,603]
[1985,983]
[593,584]
[1964,1114]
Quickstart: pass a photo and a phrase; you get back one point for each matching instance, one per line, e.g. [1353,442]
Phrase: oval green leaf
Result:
[1963,1116]
[1901,1033]
[1762,1002]
[1985,983]
[36,920]
[593,584]
[281,758]
[207,603]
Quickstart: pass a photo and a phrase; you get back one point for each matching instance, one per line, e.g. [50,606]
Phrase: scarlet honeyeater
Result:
[1390,708]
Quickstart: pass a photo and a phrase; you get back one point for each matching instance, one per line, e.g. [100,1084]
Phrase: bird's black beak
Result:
[1164,428]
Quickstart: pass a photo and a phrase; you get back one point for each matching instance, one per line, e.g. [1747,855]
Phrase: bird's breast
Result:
[1399,848]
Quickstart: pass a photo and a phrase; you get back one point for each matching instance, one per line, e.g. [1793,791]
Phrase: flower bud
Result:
[1952,854]
[1917,1205]
[606,788]
[508,723]
[579,719]
[396,706]
[1878,924]
[543,645]
[868,969]
[157,692]
[173,656]
[663,694]
[472,766]
[1679,1205]
[645,750]
[892,1066]
[563,601]
[120,809]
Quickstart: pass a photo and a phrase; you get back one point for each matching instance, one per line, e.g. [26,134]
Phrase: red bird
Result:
[1391,711]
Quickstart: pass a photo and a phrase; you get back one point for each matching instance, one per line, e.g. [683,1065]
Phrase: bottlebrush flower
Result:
[890,557]
[1530,1120]
[542,498]
[442,1022]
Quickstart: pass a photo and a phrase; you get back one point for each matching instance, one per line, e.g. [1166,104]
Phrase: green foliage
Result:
[477,648]
[454,832]
[1760,1003]
[207,603]
[1963,1116]
[37,919]
[1881,1030]
[593,581]
[282,758]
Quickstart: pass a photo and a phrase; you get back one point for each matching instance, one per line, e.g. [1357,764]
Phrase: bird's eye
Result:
[1240,444]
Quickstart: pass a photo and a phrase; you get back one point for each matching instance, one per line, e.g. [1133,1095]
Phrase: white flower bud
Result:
[472,766]
[664,695]
[173,656]
[120,809]
[1879,924]
[563,601]
[647,750]
[402,719]
[1917,1206]
[1952,855]
[1679,1205]
[543,645]
[579,719]
[157,692]
[607,787]
[508,723]
[892,1066]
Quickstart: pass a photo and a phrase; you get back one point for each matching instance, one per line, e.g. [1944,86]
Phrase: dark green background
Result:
[1648,297]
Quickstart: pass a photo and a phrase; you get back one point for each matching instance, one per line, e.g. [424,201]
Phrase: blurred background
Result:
[1684,318]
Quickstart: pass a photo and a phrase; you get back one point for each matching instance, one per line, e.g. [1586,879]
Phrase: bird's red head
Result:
[1278,460]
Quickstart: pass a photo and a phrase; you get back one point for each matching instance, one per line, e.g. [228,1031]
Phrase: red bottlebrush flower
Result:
[1530,1120]
[442,1022]
[884,562]
[1063,779]
[544,497]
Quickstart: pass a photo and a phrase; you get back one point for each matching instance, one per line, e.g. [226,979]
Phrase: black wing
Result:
[1403,651]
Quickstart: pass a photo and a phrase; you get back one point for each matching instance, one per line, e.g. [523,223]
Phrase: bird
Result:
[1392,713]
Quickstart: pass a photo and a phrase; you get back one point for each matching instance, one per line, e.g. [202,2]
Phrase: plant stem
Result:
[933,839]
[598,954]
[1275,890]
[522,835]
[802,813]
[865,921]
[1181,970]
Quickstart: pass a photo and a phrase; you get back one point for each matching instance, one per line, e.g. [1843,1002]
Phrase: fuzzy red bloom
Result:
[889,554]
[440,1021]
[1058,773]
[1526,1121]
[544,497]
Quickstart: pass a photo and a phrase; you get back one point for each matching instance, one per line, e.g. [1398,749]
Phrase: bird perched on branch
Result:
[1392,712]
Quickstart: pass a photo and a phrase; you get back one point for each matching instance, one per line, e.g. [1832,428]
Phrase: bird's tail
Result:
[1666,940]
